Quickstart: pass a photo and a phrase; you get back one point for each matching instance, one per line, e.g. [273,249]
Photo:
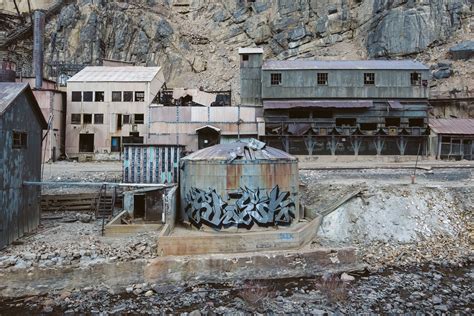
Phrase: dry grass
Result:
[255,293]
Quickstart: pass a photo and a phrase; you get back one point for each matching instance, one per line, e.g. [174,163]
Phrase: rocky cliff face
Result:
[196,41]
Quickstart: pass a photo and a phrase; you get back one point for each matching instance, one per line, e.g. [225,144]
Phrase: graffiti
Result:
[251,207]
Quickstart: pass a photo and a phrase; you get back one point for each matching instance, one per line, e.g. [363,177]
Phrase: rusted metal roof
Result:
[289,104]
[452,126]
[343,64]
[238,151]
[116,74]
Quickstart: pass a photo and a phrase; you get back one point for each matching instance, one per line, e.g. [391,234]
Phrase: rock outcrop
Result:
[196,41]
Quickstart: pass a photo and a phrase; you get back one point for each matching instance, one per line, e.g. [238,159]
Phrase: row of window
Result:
[137,118]
[322,78]
[117,96]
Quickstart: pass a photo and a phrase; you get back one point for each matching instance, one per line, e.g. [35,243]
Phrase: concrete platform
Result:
[183,241]
[116,228]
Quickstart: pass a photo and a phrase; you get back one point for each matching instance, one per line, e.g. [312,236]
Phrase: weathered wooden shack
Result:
[21,130]
[365,107]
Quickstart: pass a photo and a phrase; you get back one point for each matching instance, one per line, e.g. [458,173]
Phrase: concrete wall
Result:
[302,84]
[19,212]
[104,132]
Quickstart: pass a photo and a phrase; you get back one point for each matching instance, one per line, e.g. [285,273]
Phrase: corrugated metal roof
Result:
[344,64]
[8,92]
[289,104]
[452,126]
[238,151]
[116,74]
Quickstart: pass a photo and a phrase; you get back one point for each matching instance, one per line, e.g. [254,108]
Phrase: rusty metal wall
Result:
[151,163]
[19,205]
[219,182]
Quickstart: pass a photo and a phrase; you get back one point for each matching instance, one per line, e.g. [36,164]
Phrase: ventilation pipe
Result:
[38,47]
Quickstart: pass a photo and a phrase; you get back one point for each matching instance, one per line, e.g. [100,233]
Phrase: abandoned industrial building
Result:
[372,107]
[21,132]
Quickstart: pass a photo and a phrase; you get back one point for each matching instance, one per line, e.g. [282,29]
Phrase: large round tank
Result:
[239,184]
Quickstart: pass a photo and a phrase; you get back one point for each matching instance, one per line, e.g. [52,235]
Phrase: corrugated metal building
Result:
[365,107]
[21,126]
[452,138]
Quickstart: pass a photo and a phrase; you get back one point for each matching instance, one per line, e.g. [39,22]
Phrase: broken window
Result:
[139,96]
[87,118]
[346,122]
[275,79]
[75,118]
[322,113]
[98,118]
[392,121]
[116,96]
[369,78]
[126,119]
[415,79]
[76,96]
[299,113]
[322,78]
[87,96]
[128,96]
[416,122]
[368,126]
[19,139]
[99,96]
[115,144]
[138,119]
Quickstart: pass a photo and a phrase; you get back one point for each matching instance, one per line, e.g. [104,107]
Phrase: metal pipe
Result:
[38,47]
[97,184]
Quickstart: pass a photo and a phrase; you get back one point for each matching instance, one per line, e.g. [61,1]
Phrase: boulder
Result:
[464,50]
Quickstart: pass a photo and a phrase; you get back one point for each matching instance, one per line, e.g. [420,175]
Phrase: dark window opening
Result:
[323,113]
[369,78]
[415,79]
[127,96]
[115,144]
[76,96]
[98,118]
[245,57]
[139,96]
[75,118]
[345,122]
[126,119]
[275,79]
[87,96]
[138,119]
[139,205]
[392,121]
[87,118]
[86,143]
[20,140]
[368,126]
[116,96]
[99,96]
[322,78]
[416,122]
[134,138]
[299,113]
[119,121]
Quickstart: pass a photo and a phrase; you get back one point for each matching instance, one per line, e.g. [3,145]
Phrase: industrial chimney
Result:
[38,47]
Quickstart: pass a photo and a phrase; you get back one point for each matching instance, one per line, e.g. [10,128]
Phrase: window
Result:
[392,121]
[98,118]
[369,78]
[139,96]
[76,96]
[128,96]
[126,119]
[99,96]
[19,140]
[322,78]
[346,122]
[87,96]
[415,79]
[87,118]
[75,118]
[416,122]
[115,144]
[299,113]
[138,119]
[275,79]
[116,96]
[368,126]
[245,57]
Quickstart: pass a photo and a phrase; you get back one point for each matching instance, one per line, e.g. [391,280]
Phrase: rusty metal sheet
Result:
[344,64]
[452,126]
[290,104]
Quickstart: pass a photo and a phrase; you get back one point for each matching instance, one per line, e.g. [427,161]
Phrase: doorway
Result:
[86,143]
[208,136]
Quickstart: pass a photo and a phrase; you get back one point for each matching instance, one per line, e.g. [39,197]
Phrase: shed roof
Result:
[251,50]
[343,64]
[239,151]
[290,104]
[452,126]
[116,74]
[9,91]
